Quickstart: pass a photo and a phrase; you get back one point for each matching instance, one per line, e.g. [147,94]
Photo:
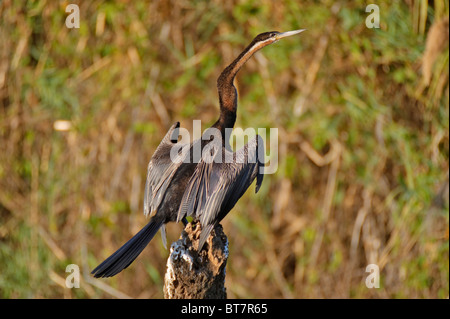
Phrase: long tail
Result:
[126,254]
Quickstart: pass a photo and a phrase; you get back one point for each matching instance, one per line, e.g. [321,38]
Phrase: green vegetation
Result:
[363,119]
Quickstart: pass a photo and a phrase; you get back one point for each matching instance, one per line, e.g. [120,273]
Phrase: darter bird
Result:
[207,189]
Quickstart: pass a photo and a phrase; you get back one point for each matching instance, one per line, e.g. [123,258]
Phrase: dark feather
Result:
[160,171]
[219,181]
[126,254]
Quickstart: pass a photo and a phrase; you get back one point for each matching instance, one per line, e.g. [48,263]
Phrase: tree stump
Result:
[197,275]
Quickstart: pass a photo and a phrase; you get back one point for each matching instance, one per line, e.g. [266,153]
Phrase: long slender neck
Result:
[227,91]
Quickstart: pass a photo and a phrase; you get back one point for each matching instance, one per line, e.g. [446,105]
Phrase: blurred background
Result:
[363,122]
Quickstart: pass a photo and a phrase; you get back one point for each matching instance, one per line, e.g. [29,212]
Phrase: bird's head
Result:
[270,37]
[227,92]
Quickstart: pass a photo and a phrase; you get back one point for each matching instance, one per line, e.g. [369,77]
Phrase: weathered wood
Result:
[193,275]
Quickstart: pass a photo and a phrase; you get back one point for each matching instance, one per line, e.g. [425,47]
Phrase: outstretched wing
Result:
[161,169]
[219,181]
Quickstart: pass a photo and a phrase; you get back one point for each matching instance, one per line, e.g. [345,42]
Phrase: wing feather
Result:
[217,185]
[161,170]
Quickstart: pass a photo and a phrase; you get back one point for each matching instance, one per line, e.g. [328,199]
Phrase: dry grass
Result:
[363,143]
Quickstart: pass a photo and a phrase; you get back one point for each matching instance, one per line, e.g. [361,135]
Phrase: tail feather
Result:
[126,254]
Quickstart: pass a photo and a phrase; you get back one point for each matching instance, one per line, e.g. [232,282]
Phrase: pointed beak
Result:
[288,34]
